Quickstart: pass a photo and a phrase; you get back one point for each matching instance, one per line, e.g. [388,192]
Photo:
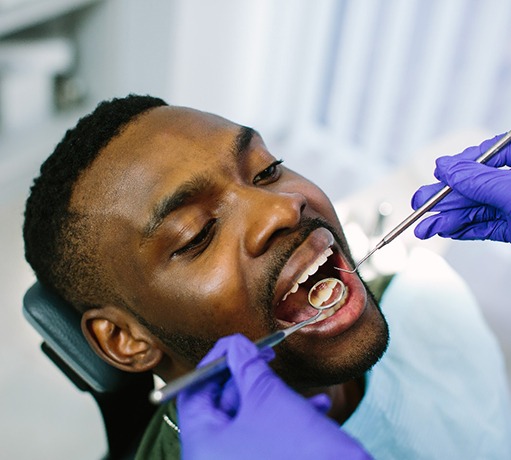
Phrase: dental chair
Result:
[122,397]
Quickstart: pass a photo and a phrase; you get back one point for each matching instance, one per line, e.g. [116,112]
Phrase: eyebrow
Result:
[192,188]
[242,140]
[184,194]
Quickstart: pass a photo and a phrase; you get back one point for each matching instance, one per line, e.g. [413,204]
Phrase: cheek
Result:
[316,199]
[207,300]
[322,207]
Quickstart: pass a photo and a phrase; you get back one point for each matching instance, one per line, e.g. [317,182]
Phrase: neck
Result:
[345,398]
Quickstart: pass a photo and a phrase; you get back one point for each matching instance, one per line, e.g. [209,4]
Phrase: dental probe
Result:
[171,389]
[416,215]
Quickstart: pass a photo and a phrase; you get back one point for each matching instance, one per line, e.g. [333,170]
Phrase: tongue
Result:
[295,308]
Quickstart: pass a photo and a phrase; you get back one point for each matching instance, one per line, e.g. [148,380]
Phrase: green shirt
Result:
[161,440]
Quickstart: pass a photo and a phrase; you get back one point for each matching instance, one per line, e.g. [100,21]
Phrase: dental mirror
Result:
[326,293]
[323,295]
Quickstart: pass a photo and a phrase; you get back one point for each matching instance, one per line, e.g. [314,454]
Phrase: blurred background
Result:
[359,95]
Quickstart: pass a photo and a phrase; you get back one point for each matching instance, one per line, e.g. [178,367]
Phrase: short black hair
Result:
[58,245]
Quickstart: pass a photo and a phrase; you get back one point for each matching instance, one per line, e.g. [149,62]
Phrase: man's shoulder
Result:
[379,284]
[429,296]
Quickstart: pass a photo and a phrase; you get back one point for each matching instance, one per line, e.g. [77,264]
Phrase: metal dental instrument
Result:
[416,215]
[171,389]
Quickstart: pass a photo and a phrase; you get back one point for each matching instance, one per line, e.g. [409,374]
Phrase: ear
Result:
[120,339]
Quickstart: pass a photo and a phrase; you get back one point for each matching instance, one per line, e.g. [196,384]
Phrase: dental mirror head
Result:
[326,293]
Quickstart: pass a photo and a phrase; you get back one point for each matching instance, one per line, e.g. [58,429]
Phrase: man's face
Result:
[203,233]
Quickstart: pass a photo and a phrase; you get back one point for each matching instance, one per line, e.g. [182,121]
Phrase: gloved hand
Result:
[253,414]
[479,207]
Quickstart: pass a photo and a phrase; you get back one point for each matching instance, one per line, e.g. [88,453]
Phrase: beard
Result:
[294,365]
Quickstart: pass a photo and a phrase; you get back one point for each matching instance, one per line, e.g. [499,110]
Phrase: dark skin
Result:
[217,257]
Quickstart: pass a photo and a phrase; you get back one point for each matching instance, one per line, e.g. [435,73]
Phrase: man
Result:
[169,228]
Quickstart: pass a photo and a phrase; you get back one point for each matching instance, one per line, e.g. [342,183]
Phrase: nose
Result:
[268,216]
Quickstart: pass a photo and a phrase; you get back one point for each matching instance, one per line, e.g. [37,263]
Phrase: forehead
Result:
[158,149]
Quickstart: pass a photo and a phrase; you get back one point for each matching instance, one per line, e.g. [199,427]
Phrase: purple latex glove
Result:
[479,208]
[253,414]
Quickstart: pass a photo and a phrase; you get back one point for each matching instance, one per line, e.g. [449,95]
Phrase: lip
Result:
[316,243]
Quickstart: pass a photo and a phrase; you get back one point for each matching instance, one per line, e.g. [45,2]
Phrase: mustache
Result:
[284,252]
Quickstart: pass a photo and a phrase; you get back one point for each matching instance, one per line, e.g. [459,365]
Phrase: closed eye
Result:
[200,242]
[270,174]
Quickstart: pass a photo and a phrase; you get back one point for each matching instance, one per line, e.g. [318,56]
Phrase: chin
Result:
[346,358]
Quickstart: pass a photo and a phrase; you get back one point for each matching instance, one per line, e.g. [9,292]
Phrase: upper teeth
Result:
[313,268]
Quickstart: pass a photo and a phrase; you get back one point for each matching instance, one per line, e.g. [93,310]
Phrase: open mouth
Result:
[294,305]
